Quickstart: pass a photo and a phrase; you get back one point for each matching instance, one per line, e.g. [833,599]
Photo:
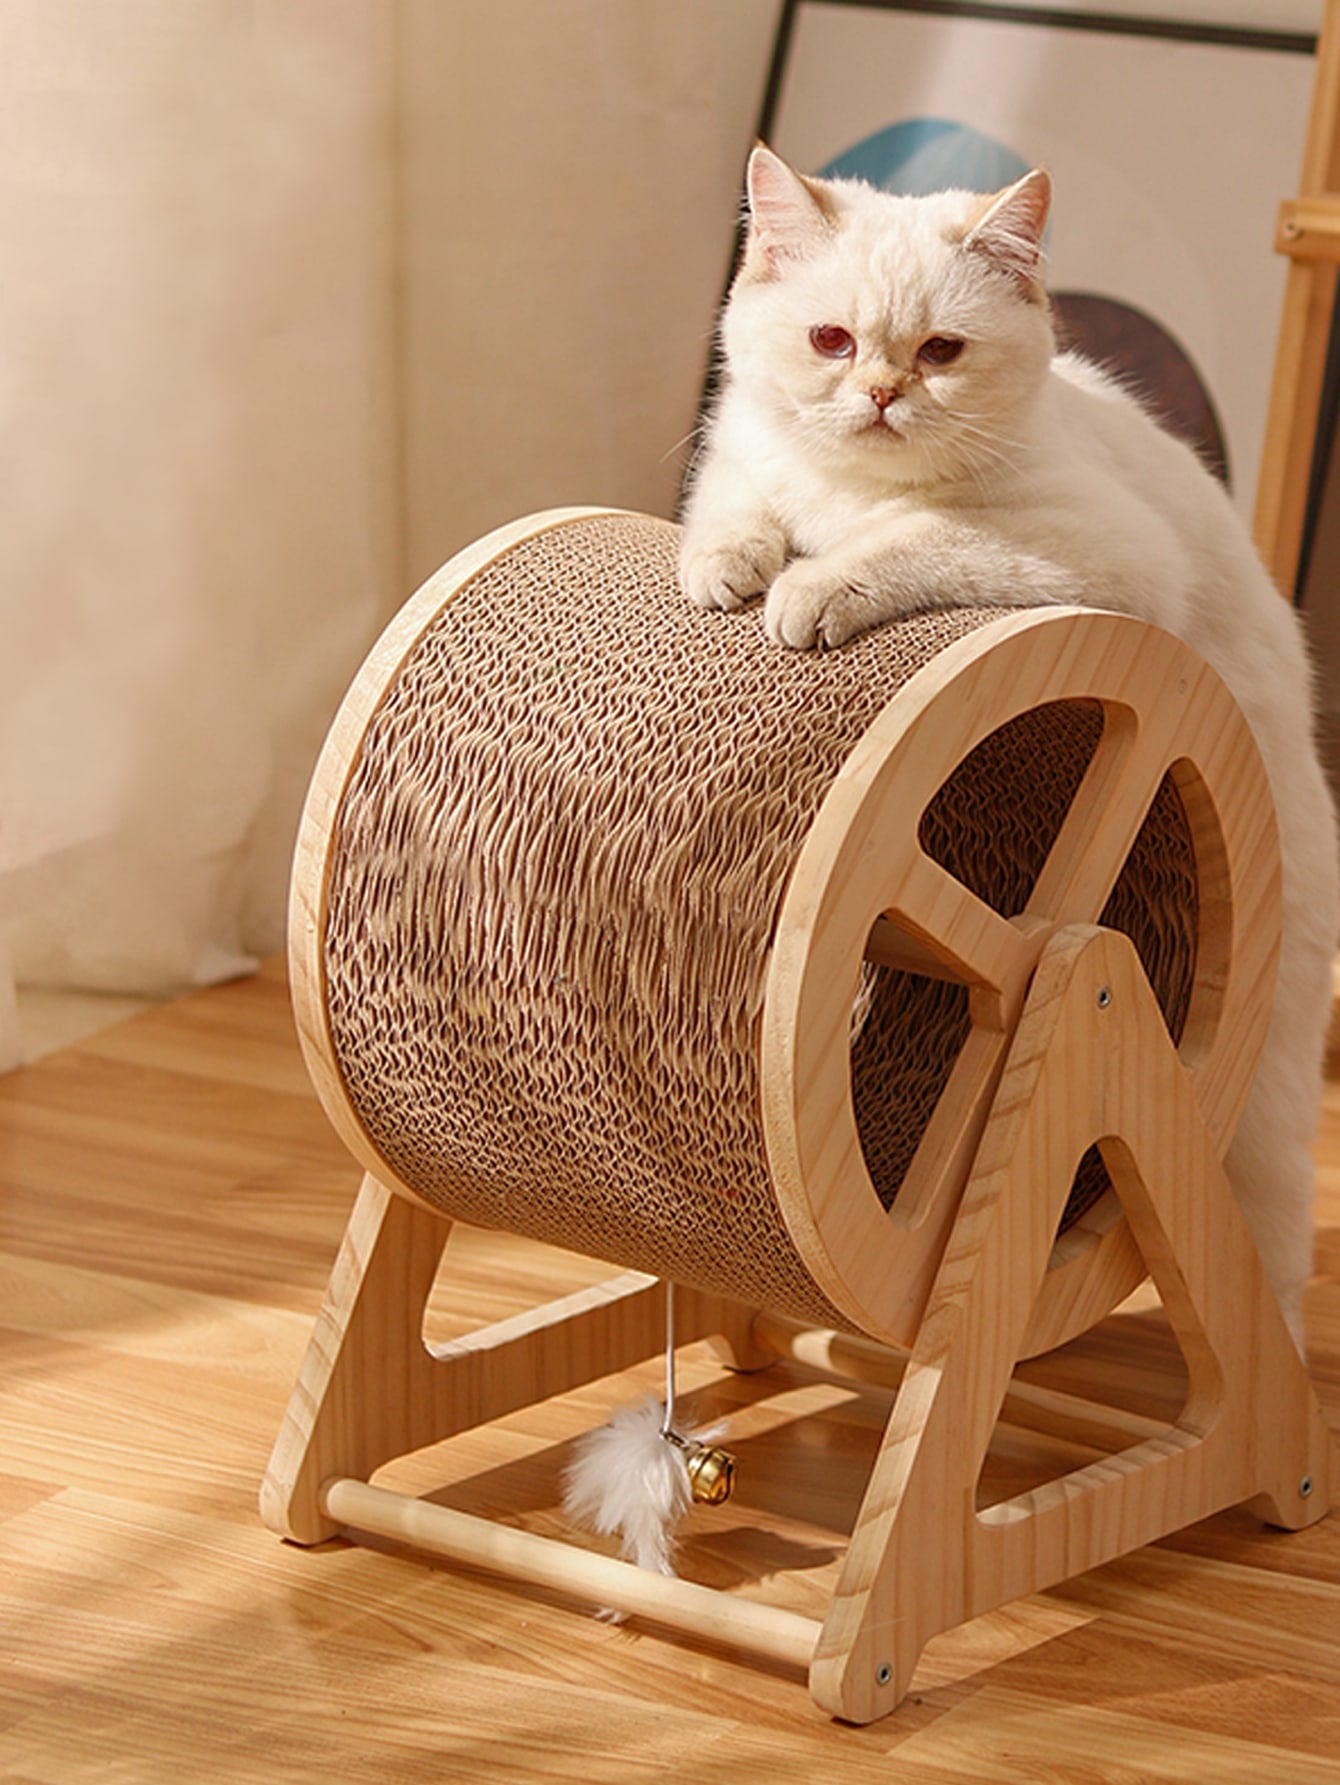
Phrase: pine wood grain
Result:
[170,1204]
[1164,711]
[1296,389]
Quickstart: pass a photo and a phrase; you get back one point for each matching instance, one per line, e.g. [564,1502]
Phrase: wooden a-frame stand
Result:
[1091,1061]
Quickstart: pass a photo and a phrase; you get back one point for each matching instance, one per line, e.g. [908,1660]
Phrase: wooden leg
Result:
[370,1389]
[1091,1061]
[364,1393]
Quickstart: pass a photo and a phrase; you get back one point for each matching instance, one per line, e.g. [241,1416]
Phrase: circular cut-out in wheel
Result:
[866,888]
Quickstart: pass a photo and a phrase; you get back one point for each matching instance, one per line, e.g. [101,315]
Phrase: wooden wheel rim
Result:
[1164,710]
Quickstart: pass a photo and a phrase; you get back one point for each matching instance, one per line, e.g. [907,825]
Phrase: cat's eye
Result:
[939,350]
[832,341]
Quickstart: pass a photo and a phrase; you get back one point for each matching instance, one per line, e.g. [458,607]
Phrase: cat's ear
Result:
[1010,230]
[788,215]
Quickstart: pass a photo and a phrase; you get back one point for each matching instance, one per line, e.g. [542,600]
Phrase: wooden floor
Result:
[170,1203]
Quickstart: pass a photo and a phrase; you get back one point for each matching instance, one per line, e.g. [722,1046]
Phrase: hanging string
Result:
[667,1426]
[710,1471]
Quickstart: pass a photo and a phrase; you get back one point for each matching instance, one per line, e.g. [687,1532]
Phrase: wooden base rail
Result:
[681,1605]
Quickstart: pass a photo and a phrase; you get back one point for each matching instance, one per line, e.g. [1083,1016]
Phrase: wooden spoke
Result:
[949,1143]
[956,931]
[889,946]
[1112,802]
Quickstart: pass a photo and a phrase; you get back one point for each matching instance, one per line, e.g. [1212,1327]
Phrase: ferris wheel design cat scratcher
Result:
[912,991]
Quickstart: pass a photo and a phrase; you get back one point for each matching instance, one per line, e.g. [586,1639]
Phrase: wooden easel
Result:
[1309,234]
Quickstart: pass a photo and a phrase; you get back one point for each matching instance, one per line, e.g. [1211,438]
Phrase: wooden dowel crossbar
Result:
[1027,1405]
[764,1630]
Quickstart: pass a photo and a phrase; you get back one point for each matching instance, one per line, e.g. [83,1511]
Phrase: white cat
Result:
[896,432]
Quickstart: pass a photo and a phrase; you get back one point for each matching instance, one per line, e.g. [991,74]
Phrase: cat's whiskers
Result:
[950,467]
[988,448]
[989,421]
[697,435]
[965,452]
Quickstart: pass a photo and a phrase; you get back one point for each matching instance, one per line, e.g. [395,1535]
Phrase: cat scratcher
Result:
[909,992]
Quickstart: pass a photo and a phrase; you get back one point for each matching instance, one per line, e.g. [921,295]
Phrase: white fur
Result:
[1010,477]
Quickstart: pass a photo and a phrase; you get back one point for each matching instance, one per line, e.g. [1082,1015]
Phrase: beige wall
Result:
[571,183]
[296,297]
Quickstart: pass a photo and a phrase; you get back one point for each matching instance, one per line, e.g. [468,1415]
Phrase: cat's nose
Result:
[881,395]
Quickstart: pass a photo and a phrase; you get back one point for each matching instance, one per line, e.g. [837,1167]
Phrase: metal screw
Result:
[1305,1486]
[1104,997]
[885,1673]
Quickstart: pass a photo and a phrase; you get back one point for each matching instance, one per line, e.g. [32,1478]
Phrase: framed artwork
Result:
[1171,144]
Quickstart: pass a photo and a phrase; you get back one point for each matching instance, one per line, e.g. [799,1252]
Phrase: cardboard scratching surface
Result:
[553,879]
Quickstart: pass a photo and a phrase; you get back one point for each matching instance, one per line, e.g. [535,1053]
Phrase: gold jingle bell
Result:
[711,1472]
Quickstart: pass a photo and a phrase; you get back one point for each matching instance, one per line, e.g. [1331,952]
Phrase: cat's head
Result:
[896,337]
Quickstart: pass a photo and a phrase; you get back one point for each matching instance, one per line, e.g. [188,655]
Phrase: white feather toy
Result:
[627,1481]
[635,1476]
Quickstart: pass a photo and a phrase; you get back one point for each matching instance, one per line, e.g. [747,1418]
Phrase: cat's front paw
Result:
[811,606]
[727,574]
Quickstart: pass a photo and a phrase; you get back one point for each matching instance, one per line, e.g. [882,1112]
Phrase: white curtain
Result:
[297,297]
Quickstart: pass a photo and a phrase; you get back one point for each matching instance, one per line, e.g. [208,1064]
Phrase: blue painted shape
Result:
[922,155]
